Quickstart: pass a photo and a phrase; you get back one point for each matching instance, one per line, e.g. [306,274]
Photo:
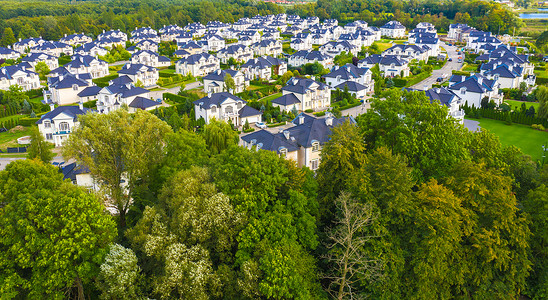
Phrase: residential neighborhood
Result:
[273,149]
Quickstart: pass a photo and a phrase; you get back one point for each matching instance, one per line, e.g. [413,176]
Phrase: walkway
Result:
[446,69]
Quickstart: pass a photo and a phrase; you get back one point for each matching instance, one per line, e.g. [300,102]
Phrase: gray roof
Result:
[72,111]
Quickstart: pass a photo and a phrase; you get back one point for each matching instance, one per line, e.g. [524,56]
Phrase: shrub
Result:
[308,111]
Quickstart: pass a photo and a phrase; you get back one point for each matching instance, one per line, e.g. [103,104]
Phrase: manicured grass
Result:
[383,46]
[529,140]
[156,89]
[271,97]
[253,87]
[514,103]
[469,67]
[8,139]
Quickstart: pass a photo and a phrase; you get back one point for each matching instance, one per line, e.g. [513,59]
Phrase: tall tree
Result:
[119,275]
[39,148]
[542,97]
[53,234]
[120,150]
[229,83]
[8,38]
[219,135]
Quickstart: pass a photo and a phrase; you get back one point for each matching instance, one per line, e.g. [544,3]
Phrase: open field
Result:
[514,103]
[8,139]
[529,140]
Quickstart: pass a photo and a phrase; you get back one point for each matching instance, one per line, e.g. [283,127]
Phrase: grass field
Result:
[271,97]
[8,139]
[383,46]
[514,103]
[253,87]
[469,67]
[529,140]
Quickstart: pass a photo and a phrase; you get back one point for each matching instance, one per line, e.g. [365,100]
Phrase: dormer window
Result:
[315,146]
[283,152]
[74,87]
[463,91]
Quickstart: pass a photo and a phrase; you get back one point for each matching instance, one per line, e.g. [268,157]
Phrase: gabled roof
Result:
[143,103]
[352,86]
[66,81]
[220,75]
[393,25]
[217,99]
[133,69]
[286,100]
[443,95]
[8,71]
[263,62]
[90,91]
[71,111]
[302,85]
[37,57]
[347,72]
[248,111]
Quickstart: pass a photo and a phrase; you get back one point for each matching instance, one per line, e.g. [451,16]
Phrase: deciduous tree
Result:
[39,148]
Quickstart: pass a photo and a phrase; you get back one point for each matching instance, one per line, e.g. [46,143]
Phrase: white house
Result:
[214,42]
[81,64]
[150,58]
[34,58]
[92,49]
[408,52]
[349,72]
[392,66]
[393,29]
[119,93]
[117,34]
[53,48]
[267,47]
[226,107]
[239,52]
[147,75]
[16,75]
[197,64]
[76,39]
[309,57]
[8,53]
[263,67]
[449,99]
[24,44]
[335,48]
[215,82]
[311,94]
[64,89]
[474,88]
[57,124]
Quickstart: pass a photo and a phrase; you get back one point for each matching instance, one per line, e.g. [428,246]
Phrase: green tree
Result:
[39,148]
[188,237]
[219,136]
[42,69]
[119,274]
[53,234]
[8,38]
[542,97]
[230,86]
[14,97]
[120,150]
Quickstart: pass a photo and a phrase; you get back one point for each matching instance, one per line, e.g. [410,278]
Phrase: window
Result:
[47,124]
[228,110]
[75,87]
[315,147]
[214,109]
[64,126]
[283,153]
[314,164]
[239,105]
[49,136]
[463,91]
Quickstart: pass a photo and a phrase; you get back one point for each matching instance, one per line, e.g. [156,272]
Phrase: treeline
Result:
[484,15]
[405,205]
[52,20]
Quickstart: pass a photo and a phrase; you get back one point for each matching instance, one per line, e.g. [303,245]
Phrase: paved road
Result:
[118,63]
[5,160]
[449,66]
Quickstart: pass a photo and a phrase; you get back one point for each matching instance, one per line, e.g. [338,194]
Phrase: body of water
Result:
[534,16]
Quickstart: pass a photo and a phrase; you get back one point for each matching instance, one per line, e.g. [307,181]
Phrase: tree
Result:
[542,97]
[39,148]
[188,237]
[219,136]
[139,83]
[8,38]
[42,69]
[230,86]
[542,40]
[53,234]
[120,150]
[346,254]
[14,97]
[119,275]
[286,76]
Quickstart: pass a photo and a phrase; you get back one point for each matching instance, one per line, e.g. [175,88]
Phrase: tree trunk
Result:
[80,287]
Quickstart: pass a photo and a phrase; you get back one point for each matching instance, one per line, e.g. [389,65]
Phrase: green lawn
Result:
[529,140]
[514,103]
[8,139]
[253,87]
[271,97]
[383,46]
[469,67]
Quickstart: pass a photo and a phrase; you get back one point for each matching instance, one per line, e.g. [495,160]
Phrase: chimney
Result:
[51,107]
[301,119]
[61,77]
[81,105]
[19,39]
[480,80]
[329,121]
[286,134]
[209,93]
[511,68]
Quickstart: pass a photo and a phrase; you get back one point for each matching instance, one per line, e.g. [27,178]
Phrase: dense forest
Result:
[52,20]
[405,205]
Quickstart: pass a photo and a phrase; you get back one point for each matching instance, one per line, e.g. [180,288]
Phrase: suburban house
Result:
[459,32]
[8,53]
[53,48]
[311,94]
[392,65]
[59,122]
[354,26]
[429,44]
[226,107]
[79,175]
[393,29]
[64,88]
[191,47]
[117,34]
[144,74]
[169,32]
[150,58]
[197,64]
[148,45]
[82,64]
[349,72]
[309,57]
[263,67]
[110,42]
[92,49]
[408,52]
[17,75]
[449,99]
[183,37]
[474,88]
[214,42]
[239,52]
[357,89]
[24,44]
[301,143]
[120,92]
[242,24]
[267,47]
[504,55]
[76,39]
[335,48]
[252,35]
[301,41]
[33,58]
[215,82]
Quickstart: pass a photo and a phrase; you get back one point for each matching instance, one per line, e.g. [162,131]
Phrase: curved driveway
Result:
[446,69]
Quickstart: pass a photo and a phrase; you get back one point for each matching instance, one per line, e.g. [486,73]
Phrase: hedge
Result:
[27,121]
[90,104]
[516,117]
[103,81]
[276,124]
[542,80]
[399,82]
[463,73]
